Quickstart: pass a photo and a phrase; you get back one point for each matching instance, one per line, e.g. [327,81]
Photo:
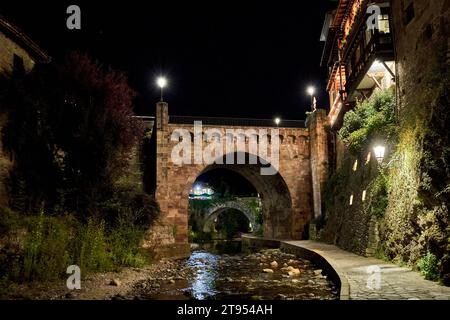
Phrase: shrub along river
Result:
[221,271]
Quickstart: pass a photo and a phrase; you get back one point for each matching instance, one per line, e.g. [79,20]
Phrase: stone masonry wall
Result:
[8,48]
[287,197]
[318,123]
[417,41]
[349,224]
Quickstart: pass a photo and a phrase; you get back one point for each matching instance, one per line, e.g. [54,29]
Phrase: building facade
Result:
[370,46]
[18,54]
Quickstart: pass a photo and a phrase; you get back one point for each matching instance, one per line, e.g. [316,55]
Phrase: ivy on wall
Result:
[409,194]
[416,228]
[371,119]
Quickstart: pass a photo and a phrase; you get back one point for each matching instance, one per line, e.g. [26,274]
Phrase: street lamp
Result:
[311,90]
[379,153]
[277,121]
[161,82]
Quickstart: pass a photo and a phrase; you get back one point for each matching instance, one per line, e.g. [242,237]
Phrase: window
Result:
[351,199]
[369,155]
[408,14]
[383,24]
[363,198]
[355,165]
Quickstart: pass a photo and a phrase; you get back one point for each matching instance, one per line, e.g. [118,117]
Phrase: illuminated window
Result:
[369,155]
[351,199]
[363,198]
[355,165]
[383,24]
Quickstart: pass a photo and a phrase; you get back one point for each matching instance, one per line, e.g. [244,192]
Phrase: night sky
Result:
[221,58]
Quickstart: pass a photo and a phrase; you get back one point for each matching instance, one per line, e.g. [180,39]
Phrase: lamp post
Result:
[277,121]
[379,151]
[161,82]
[311,90]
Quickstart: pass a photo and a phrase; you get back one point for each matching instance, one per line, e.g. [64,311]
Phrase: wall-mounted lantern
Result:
[379,152]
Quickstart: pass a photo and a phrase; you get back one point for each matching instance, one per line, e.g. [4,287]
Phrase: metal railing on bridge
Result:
[238,122]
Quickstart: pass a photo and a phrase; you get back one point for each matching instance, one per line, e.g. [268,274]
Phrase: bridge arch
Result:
[275,195]
[218,208]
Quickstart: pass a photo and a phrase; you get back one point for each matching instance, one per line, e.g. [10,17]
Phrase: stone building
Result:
[18,54]
[363,55]
[360,60]
[421,28]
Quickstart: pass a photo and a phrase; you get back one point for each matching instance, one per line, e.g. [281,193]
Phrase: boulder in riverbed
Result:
[115,282]
[294,272]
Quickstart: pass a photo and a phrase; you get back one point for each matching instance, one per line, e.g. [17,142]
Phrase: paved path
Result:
[396,283]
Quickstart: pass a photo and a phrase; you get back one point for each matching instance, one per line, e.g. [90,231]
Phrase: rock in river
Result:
[267,270]
[115,282]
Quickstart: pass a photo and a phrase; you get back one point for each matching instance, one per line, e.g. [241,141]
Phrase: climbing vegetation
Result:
[371,119]
[408,195]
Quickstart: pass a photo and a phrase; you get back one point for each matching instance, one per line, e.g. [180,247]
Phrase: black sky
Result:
[222,58]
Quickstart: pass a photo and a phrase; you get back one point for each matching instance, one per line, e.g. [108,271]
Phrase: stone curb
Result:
[337,275]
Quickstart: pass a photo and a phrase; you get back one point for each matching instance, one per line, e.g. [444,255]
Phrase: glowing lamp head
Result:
[311,90]
[161,82]
[277,121]
[379,153]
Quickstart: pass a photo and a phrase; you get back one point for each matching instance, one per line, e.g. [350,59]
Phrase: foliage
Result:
[90,247]
[45,254]
[417,216]
[199,236]
[377,198]
[231,222]
[42,247]
[139,206]
[428,266]
[70,129]
[371,119]
[125,239]
[319,222]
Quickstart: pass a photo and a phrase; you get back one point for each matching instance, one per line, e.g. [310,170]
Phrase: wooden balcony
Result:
[380,47]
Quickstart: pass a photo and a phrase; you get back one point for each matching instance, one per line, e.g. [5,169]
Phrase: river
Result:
[221,271]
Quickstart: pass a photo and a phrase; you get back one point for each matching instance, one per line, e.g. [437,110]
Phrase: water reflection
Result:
[203,283]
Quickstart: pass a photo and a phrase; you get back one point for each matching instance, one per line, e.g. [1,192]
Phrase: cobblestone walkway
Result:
[396,283]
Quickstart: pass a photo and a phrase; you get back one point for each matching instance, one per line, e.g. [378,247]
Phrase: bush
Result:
[42,247]
[125,239]
[428,266]
[45,255]
[373,118]
[90,247]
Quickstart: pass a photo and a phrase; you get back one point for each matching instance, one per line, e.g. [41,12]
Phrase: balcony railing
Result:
[379,46]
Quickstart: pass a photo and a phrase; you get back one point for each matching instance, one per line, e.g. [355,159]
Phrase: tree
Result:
[71,129]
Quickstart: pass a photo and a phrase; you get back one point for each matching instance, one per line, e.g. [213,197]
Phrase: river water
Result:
[220,271]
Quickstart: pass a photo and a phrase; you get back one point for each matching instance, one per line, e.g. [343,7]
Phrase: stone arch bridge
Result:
[240,204]
[290,197]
